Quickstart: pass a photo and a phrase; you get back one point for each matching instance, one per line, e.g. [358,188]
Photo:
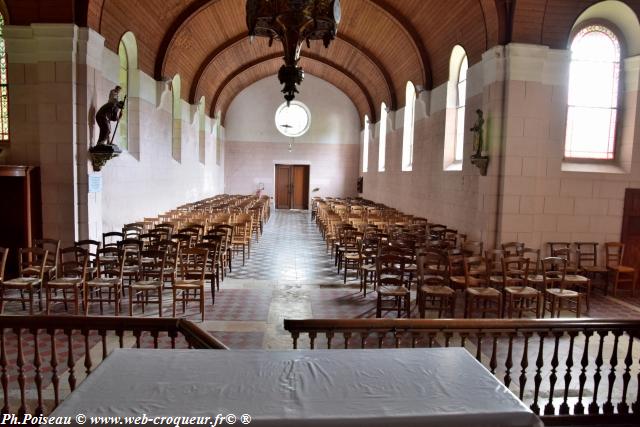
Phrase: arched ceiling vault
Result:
[381,44]
[266,66]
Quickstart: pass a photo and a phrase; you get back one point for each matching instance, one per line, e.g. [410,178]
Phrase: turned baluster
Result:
[623,407]
[578,409]
[414,338]
[173,334]
[636,405]
[87,352]
[381,336]
[594,409]
[396,338]
[509,362]
[55,380]
[155,335]
[607,408]
[447,338]
[480,337]
[329,335]
[20,364]
[137,333]
[493,363]
[463,338]
[4,379]
[103,336]
[295,335]
[347,338]
[564,407]
[537,379]
[549,409]
[120,334]
[363,338]
[37,363]
[524,363]
[312,339]
[70,361]
[432,338]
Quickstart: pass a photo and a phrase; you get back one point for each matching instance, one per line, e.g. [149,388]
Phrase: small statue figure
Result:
[109,112]
[478,131]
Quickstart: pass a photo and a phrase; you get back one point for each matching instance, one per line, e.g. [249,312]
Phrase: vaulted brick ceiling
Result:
[381,44]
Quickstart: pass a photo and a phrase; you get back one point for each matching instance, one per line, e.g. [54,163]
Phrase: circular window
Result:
[293,120]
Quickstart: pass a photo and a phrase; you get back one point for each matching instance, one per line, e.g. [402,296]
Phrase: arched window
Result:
[201,131]
[456,102]
[382,147]
[461,100]
[123,81]
[4,92]
[592,110]
[365,145]
[407,136]
[218,138]
[176,113]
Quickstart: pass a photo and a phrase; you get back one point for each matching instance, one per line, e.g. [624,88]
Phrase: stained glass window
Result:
[593,94]
[4,92]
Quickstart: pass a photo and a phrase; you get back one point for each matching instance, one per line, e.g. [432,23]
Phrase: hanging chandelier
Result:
[293,22]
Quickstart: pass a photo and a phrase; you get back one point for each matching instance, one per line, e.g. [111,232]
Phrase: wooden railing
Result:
[557,367]
[44,358]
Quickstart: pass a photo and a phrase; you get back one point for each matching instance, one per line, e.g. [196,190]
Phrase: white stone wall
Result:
[59,76]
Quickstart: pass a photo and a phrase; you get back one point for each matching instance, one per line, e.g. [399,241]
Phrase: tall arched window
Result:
[407,135]
[456,102]
[382,147]
[365,145]
[592,110]
[123,81]
[461,100]
[201,132]
[176,113]
[4,92]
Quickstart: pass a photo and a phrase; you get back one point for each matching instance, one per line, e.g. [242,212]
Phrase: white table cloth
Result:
[403,387]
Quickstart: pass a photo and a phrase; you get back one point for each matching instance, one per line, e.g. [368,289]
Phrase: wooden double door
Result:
[292,186]
[631,228]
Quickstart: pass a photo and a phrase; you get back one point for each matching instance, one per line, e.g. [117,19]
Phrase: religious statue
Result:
[478,131]
[109,112]
[477,159]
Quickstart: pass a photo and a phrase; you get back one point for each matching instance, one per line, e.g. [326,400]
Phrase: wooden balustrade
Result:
[563,369]
[33,352]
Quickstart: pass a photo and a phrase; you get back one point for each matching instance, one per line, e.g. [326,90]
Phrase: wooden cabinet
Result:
[21,211]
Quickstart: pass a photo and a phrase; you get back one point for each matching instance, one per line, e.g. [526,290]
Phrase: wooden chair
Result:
[432,293]
[72,275]
[109,278]
[52,246]
[519,298]
[92,247]
[214,246]
[150,280]
[619,273]
[193,266]
[242,238]
[588,263]
[478,295]
[554,270]
[391,287]
[512,249]
[111,238]
[32,263]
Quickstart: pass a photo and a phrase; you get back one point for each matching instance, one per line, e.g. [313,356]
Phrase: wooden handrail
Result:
[599,356]
[42,351]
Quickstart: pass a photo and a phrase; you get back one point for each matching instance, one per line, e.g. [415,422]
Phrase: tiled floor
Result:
[290,275]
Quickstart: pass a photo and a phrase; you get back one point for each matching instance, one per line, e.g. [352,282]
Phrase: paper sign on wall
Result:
[95,183]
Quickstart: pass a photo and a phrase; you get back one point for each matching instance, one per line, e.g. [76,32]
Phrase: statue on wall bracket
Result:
[477,159]
[105,149]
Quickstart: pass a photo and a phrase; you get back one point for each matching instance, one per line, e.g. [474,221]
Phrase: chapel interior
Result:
[460,173]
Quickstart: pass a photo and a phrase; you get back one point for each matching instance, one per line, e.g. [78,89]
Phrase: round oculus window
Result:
[293,120]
